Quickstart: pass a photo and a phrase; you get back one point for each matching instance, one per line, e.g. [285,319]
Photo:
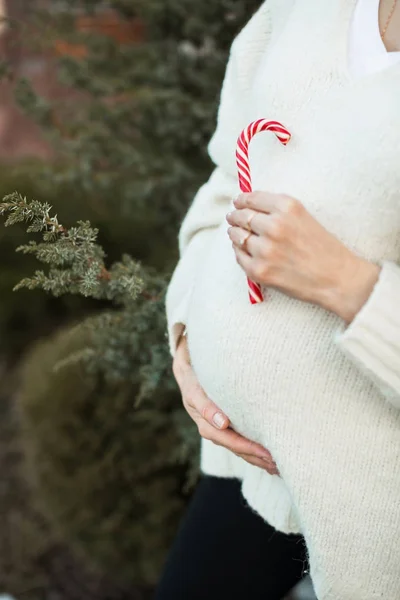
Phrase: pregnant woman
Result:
[297,397]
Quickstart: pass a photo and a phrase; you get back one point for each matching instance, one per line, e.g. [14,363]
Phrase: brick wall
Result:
[19,136]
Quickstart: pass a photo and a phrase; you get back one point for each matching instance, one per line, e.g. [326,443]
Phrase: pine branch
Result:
[75,258]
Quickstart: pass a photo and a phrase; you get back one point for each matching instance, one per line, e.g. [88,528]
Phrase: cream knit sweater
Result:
[323,398]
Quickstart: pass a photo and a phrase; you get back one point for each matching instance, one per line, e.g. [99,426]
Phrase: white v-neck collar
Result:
[367,52]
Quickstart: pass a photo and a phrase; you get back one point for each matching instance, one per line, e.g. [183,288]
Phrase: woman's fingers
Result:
[267,465]
[195,399]
[251,452]
[233,441]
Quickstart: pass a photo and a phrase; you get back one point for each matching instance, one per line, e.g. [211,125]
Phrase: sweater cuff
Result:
[372,339]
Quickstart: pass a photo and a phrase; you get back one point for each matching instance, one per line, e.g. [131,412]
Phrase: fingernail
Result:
[219,420]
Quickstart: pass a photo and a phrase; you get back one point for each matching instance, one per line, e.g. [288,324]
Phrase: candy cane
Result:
[243,165]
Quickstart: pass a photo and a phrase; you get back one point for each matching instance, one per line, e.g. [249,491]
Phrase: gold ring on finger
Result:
[248,223]
[243,241]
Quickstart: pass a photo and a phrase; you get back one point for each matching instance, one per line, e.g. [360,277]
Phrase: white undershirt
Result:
[367,52]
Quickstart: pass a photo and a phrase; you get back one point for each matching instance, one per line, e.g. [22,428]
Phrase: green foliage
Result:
[76,259]
[35,563]
[128,344]
[107,474]
[81,388]
[27,314]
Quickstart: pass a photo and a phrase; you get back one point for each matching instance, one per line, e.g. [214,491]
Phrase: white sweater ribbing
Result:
[289,374]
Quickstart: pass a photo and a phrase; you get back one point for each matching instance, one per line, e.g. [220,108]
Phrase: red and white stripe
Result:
[243,165]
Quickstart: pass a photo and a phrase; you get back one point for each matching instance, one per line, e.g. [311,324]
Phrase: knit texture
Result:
[322,397]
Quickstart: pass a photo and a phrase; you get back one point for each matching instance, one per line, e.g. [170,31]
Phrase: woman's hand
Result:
[294,253]
[212,424]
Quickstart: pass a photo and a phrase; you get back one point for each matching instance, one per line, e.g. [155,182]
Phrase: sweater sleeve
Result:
[211,203]
[195,236]
[372,339]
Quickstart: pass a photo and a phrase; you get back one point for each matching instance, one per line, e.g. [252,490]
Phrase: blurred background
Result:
[106,109]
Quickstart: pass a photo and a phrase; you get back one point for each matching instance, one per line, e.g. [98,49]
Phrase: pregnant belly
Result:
[252,360]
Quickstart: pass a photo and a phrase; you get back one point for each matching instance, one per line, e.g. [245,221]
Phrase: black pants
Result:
[224,551]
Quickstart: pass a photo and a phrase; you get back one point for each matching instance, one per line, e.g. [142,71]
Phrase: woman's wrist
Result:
[352,288]
[182,358]
[181,335]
